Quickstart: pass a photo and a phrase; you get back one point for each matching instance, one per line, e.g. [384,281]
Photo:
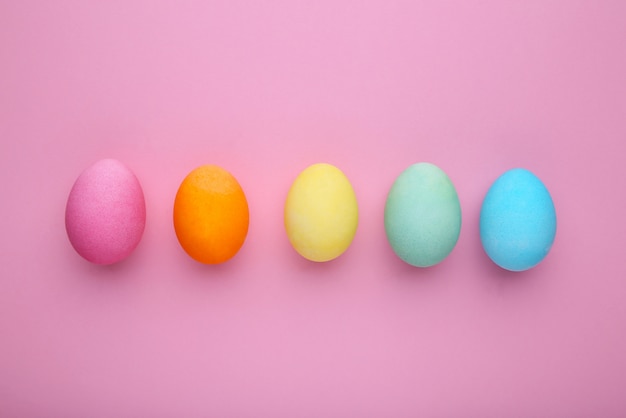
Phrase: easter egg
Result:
[422,215]
[321,213]
[105,215]
[517,221]
[211,215]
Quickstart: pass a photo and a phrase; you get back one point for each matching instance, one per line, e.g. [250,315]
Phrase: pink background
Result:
[265,89]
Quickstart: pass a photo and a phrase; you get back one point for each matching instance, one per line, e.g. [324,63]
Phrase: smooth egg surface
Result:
[422,215]
[105,215]
[517,221]
[211,215]
[321,213]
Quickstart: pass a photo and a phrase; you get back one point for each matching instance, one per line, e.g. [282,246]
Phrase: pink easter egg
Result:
[105,214]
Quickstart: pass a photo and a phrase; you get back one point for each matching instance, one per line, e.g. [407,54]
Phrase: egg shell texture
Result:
[517,220]
[422,215]
[321,213]
[105,214]
[211,215]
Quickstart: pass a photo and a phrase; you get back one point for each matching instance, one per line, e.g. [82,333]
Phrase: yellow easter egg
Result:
[321,213]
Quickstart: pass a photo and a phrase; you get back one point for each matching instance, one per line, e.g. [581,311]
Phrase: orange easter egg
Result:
[211,215]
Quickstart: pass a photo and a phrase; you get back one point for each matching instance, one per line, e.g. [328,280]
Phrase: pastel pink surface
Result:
[265,89]
[105,214]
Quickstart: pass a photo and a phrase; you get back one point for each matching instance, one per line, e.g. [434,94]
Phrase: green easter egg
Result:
[422,215]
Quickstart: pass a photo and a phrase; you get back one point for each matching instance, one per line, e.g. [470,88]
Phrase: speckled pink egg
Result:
[106,212]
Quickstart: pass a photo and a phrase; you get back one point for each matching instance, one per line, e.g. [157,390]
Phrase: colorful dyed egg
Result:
[517,221]
[422,215]
[321,213]
[211,215]
[105,214]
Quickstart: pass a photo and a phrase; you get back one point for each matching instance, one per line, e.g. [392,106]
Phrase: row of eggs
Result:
[106,213]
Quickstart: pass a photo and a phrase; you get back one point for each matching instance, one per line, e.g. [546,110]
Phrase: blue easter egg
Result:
[517,221]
